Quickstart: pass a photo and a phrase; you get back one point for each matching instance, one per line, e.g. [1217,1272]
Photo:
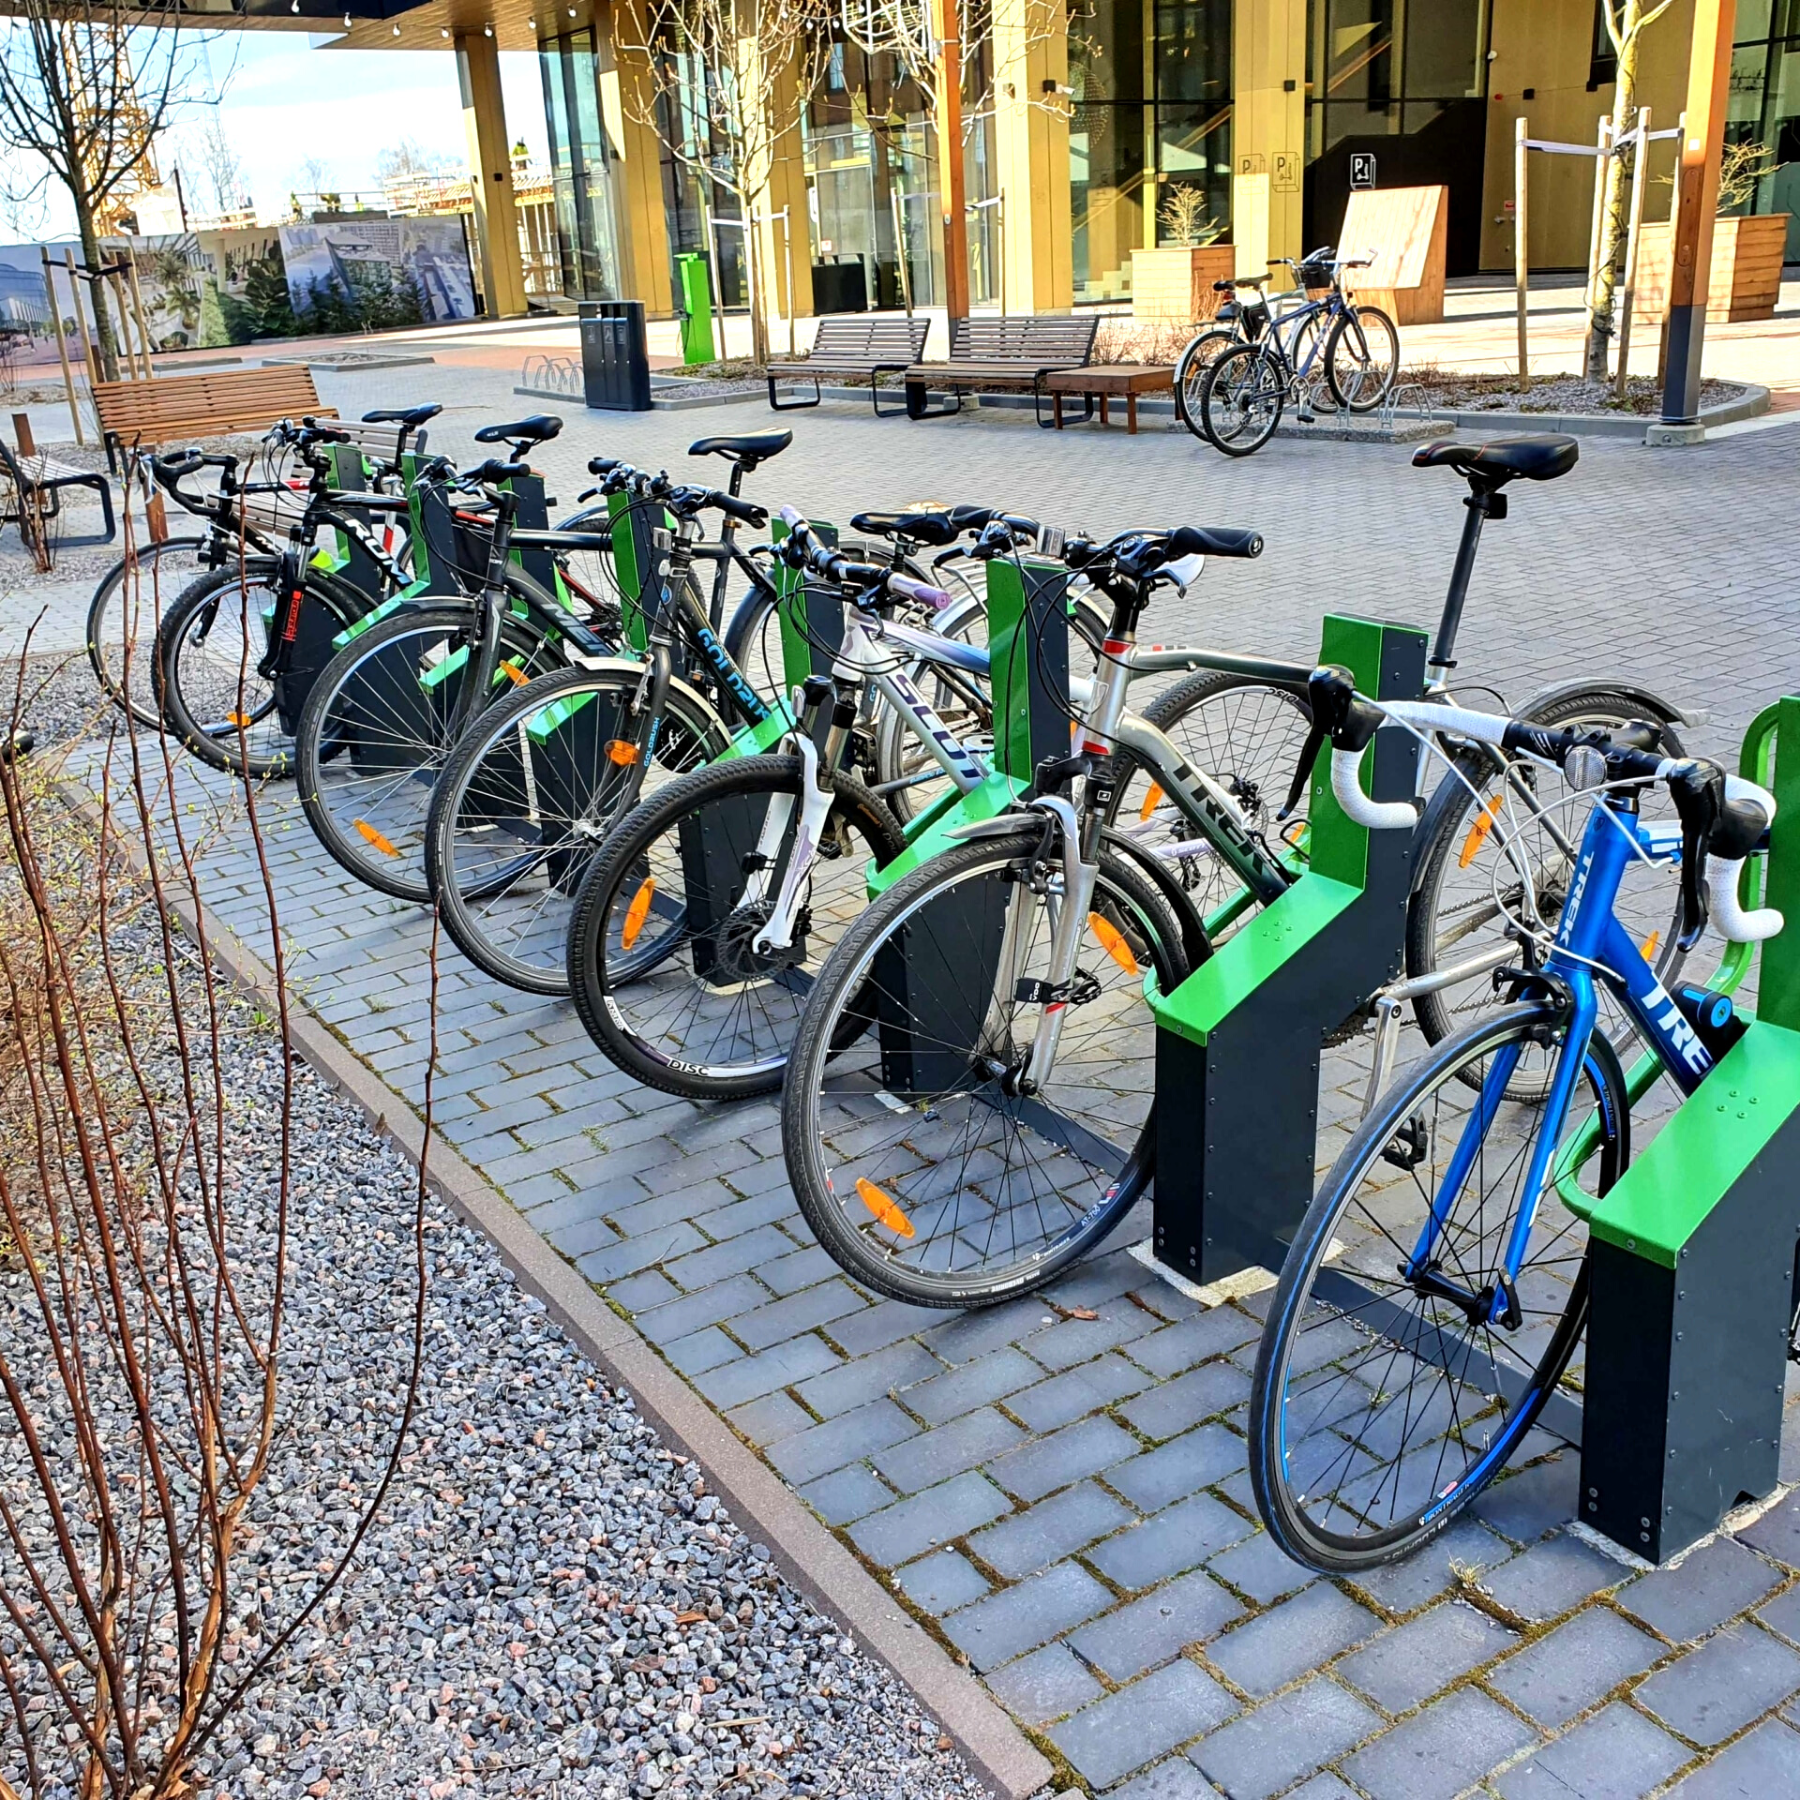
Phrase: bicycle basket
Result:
[1314,276]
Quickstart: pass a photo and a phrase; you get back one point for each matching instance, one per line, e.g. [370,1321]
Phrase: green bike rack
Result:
[696,310]
[1238,1043]
[1692,1252]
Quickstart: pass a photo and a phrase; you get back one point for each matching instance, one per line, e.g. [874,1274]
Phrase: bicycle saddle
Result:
[759,446]
[538,429]
[1238,281]
[933,528]
[412,417]
[1498,461]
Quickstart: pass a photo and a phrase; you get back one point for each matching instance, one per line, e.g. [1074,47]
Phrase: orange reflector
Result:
[1112,941]
[1479,830]
[622,752]
[514,673]
[637,912]
[375,838]
[242,720]
[1650,944]
[883,1208]
[1152,801]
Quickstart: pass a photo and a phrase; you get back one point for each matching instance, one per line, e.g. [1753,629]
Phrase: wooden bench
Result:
[871,344]
[175,409]
[995,352]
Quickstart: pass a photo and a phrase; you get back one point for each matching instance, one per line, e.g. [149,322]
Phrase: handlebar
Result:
[870,583]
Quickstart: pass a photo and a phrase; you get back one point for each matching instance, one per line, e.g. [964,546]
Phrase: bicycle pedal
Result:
[1408,1147]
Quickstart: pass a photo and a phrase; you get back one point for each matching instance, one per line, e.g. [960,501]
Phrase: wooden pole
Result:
[1662,343]
[897,201]
[62,349]
[1640,160]
[1697,176]
[1602,146]
[143,320]
[87,342]
[1521,245]
[946,28]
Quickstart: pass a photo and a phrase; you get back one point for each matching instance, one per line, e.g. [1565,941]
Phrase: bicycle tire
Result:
[665,1009]
[1284,1459]
[1347,367]
[132,689]
[506,844]
[832,1084]
[1248,375]
[1201,351]
[375,733]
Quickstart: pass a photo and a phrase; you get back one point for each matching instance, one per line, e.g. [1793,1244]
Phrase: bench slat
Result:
[861,341]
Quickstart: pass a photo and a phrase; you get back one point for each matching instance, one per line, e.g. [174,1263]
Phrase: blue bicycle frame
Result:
[1590,943]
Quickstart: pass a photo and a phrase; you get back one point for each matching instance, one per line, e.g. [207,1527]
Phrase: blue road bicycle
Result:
[1437,1290]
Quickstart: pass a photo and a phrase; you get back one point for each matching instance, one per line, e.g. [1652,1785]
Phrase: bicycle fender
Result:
[1006,824]
[1656,707]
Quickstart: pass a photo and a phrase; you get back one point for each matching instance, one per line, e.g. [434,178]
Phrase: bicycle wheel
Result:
[1384,1401]
[1245,734]
[377,728]
[663,965]
[122,622]
[1473,848]
[919,1169]
[1362,357]
[589,575]
[527,797]
[1241,400]
[1190,375]
[211,640]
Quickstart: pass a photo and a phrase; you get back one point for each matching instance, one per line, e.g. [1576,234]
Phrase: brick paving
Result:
[1065,1501]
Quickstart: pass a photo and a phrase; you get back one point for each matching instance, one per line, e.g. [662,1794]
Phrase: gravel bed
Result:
[62,700]
[551,1603]
[1554,394]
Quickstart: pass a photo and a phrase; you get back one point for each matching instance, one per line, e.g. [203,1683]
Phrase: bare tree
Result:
[406,161]
[85,87]
[1626,23]
[219,162]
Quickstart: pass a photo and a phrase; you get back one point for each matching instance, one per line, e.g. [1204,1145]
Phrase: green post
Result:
[696,310]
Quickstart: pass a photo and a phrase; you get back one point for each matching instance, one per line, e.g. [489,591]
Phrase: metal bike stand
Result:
[1239,1042]
[935,979]
[1692,1261]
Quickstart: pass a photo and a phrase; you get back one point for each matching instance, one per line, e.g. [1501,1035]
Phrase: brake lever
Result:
[1698,789]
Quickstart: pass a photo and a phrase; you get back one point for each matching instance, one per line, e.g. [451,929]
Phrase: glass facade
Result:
[1765,103]
[580,168]
[704,214]
[1151,111]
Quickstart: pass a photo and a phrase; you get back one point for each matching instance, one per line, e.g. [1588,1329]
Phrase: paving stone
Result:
[782,1319]
[1551,1577]
[1196,1459]
[1532,1501]
[1081,1340]
[1191,1610]
[968,1335]
[1215,1332]
[946,1395]
[1777,1532]
[885,1323]
[1440,1751]
[1172,1541]
[942,1582]
[1141,1722]
[1712,1584]
[789,1274]
[1412,1662]
[995,1630]
[769,1419]
[750,1376]
[636,1254]
[1076,1392]
[1284,1643]
[1258,1568]
[664,1324]
[1051,1530]
[1616,1755]
[1047,1463]
[1172,1406]
[933,1456]
[718,1262]
[868,1378]
[1044,1685]
[1764,1765]
[639,1293]
[847,1494]
[1714,1691]
[1324,1787]
[701,1350]
[1403,1586]
[851,1437]
[1564,1672]
[1783,1614]
[1176,1779]
[909,1527]
[1269,1748]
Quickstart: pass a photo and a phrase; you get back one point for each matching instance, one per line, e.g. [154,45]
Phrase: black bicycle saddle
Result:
[933,528]
[538,429]
[412,417]
[759,446]
[1498,461]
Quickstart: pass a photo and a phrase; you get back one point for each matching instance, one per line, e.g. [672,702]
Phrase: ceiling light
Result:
[443,31]
[396,31]
[487,31]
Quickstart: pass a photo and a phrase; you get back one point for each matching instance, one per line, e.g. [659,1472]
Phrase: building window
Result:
[1390,67]
[580,168]
[1764,104]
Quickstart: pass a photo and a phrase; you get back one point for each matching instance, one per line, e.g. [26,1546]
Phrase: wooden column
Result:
[490,176]
[627,95]
[951,191]
[1031,153]
[1697,175]
[1268,132]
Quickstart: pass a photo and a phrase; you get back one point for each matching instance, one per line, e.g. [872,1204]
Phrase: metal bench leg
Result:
[917,409]
[875,375]
[791,405]
[1056,424]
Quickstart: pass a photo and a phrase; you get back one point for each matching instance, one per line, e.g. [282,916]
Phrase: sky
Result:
[281,101]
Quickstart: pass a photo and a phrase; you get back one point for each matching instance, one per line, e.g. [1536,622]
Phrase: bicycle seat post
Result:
[1483,503]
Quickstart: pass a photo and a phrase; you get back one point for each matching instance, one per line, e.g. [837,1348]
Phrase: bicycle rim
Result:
[123,619]
[1362,358]
[1242,400]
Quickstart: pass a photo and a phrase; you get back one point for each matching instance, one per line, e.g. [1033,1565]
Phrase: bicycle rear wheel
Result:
[919,1165]
[1362,357]
[1242,399]
[1401,1367]
[123,618]
[1191,371]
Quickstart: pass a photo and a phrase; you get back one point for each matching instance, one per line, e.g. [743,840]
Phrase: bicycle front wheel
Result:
[1241,400]
[123,618]
[1191,372]
[1362,357]
[1407,1354]
[919,1159]
[528,796]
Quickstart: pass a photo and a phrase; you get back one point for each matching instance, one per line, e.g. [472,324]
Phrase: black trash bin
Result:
[615,355]
[840,287]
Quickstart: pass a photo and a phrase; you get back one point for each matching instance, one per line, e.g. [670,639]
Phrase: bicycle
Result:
[1354,346]
[1437,1288]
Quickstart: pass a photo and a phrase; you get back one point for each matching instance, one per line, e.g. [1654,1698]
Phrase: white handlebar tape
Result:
[1729,919]
[1373,815]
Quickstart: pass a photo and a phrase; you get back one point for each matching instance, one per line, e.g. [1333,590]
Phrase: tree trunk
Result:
[1603,277]
[104,341]
[753,281]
